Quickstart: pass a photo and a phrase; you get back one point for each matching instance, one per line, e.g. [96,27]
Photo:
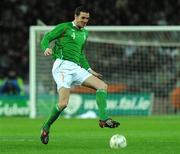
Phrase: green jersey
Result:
[69,43]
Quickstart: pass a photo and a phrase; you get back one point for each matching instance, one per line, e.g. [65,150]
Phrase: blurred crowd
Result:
[17,15]
[141,68]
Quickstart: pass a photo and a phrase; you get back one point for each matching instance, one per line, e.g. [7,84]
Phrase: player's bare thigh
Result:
[95,83]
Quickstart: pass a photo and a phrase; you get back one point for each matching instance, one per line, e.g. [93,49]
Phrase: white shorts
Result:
[68,74]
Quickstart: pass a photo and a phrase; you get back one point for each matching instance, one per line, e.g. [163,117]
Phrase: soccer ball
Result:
[118,141]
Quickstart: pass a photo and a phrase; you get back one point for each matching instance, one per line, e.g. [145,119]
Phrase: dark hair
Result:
[81,8]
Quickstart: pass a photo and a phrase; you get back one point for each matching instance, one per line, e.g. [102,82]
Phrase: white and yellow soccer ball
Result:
[118,141]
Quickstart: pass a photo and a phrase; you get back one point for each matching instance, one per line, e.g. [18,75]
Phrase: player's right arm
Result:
[50,36]
[48,52]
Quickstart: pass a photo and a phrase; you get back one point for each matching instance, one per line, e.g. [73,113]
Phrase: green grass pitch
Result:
[145,135]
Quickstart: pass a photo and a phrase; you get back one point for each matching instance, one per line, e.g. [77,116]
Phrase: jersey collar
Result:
[74,25]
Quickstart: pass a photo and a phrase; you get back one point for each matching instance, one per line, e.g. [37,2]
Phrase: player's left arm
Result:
[83,61]
[95,73]
[85,64]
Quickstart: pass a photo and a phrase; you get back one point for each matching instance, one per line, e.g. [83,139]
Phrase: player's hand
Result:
[48,52]
[98,75]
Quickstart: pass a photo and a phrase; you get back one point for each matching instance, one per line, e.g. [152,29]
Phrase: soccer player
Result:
[71,68]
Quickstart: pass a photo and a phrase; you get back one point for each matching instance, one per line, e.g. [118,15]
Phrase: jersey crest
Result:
[73,35]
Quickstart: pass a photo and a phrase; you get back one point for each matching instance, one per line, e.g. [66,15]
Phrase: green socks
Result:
[101,96]
[53,116]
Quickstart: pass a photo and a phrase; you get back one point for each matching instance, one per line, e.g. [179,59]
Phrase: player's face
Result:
[82,19]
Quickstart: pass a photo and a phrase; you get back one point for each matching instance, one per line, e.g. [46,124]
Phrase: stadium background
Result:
[154,70]
[18,15]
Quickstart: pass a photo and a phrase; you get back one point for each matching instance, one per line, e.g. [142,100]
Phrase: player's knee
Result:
[104,86]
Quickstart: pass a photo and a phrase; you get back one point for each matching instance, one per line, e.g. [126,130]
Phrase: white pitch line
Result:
[17,140]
